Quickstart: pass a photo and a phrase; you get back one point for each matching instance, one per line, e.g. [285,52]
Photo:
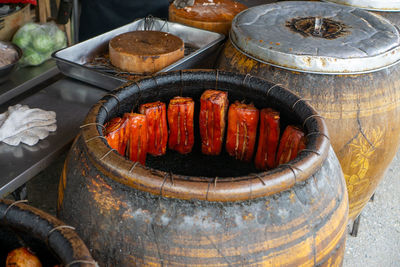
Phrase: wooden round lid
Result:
[211,15]
[145,51]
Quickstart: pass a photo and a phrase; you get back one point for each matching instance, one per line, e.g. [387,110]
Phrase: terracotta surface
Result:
[362,113]
[130,214]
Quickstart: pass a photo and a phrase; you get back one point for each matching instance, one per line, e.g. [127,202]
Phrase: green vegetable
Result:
[31,57]
[42,43]
[38,42]
[60,41]
[30,27]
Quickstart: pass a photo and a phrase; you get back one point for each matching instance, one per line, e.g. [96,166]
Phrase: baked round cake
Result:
[211,15]
[145,52]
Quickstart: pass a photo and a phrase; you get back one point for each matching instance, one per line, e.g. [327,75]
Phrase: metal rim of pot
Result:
[241,188]
[61,239]
[373,5]
[298,49]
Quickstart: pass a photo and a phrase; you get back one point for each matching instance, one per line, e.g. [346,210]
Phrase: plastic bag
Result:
[38,42]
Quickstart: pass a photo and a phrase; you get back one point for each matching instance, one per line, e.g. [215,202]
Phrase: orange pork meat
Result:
[138,140]
[156,116]
[291,143]
[180,121]
[242,130]
[115,133]
[213,108]
[268,139]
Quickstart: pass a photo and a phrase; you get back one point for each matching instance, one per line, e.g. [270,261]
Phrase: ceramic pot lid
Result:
[377,5]
[316,37]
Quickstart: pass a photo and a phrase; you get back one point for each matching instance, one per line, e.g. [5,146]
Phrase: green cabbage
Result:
[38,42]
[32,58]
[43,43]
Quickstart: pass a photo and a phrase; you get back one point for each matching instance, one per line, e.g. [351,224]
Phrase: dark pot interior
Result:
[193,84]
[12,239]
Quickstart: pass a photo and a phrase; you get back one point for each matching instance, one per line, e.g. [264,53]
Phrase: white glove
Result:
[31,136]
[22,124]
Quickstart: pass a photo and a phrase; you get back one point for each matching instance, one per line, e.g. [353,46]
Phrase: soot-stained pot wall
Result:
[130,214]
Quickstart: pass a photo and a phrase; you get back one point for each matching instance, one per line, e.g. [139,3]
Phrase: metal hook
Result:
[155,80]
[215,181]
[310,150]
[216,79]
[301,99]
[133,166]
[318,133]
[165,23]
[140,95]
[292,169]
[180,92]
[208,189]
[116,97]
[94,137]
[105,155]
[13,204]
[259,177]
[272,87]
[172,179]
[81,261]
[312,116]
[92,123]
[162,185]
[102,106]
[57,228]
[245,77]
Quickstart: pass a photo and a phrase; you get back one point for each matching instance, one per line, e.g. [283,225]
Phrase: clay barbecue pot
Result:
[187,210]
[344,62]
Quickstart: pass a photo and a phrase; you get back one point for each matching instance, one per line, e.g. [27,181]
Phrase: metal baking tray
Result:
[87,61]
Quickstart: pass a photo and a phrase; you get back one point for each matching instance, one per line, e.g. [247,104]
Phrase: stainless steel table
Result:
[71,100]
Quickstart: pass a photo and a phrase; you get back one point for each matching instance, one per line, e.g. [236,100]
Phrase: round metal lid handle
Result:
[318,26]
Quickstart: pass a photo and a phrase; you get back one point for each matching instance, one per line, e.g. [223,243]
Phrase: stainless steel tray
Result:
[81,61]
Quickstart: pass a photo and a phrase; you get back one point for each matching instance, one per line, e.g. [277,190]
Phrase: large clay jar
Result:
[197,210]
[52,241]
[346,69]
